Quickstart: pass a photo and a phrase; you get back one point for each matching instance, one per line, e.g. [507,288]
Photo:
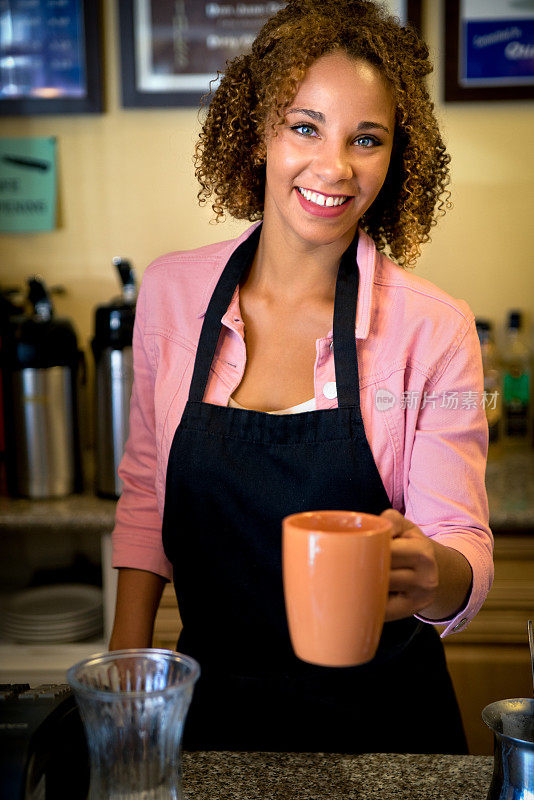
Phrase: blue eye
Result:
[303,129]
[367,141]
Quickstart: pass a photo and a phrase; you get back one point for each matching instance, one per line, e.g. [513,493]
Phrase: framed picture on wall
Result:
[408,11]
[170,51]
[49,57]
[489,50]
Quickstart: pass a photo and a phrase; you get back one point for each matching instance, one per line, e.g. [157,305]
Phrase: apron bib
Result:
[232,476]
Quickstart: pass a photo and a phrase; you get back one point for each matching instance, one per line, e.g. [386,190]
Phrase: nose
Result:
[333,162]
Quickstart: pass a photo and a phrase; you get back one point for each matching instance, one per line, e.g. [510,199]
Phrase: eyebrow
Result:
[318,116]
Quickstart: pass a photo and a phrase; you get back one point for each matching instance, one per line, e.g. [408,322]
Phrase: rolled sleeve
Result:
[446,495]
[136,537]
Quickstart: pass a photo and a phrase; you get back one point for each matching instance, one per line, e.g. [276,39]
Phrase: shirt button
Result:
[461,624]
[330,390]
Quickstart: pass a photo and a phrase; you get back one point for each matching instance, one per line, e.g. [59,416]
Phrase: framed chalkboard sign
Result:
[49,57]
[170,51]
[489,50]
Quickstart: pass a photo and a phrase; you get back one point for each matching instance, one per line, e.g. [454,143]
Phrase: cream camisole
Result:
[308,405]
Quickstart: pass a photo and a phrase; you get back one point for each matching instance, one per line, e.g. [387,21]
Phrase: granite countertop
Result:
[317,776]
[86,511]
[509,482]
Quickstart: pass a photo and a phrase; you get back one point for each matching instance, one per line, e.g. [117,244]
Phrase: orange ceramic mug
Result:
[336,575]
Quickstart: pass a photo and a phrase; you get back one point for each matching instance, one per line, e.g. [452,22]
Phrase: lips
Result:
[318,210]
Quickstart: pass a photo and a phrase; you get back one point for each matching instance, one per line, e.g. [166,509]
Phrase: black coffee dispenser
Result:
[10,306]
[40,367]
[112,349]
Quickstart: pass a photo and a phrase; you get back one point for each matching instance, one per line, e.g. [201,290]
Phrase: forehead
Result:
[338,81]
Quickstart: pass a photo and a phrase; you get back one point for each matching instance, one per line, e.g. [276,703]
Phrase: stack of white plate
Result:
[60,613]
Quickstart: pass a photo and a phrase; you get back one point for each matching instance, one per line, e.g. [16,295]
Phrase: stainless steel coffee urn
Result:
[40,367]
[112,350]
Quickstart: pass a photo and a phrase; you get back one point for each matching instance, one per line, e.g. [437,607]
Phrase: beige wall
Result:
[126,187]
[481,251]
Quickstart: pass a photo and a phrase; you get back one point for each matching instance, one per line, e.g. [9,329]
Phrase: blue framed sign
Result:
[49,57]
[489,50]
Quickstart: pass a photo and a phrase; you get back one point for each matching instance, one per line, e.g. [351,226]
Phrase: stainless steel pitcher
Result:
[512,723]
[113,386]
[112,350]
[44,420]
[40,364]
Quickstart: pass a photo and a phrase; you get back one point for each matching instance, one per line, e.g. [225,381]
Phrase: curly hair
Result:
[259,86]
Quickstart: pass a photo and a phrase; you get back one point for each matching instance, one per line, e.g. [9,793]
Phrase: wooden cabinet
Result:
[168,624]
[490,660]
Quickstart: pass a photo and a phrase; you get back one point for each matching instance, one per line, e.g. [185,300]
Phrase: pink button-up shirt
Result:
[421,394]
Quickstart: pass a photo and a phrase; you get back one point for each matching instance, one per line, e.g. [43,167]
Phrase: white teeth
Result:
[321,199]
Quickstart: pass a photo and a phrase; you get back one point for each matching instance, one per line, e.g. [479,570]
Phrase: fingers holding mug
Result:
[414,576]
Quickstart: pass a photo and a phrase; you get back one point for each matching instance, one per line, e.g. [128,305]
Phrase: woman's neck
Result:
[287,268]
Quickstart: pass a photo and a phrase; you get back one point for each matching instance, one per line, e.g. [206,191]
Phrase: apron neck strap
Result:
[344,329]
[345,303]
[239,261]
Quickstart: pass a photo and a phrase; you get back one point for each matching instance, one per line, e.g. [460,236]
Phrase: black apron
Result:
[232,476]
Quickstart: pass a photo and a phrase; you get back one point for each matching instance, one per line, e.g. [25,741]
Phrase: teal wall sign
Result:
[28,185]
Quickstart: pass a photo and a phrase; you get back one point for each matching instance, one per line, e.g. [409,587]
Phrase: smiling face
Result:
[328,161]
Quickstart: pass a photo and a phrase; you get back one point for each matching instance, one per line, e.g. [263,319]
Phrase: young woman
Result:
[299,368]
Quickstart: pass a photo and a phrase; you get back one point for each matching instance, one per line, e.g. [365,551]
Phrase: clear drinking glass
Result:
[133,704]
